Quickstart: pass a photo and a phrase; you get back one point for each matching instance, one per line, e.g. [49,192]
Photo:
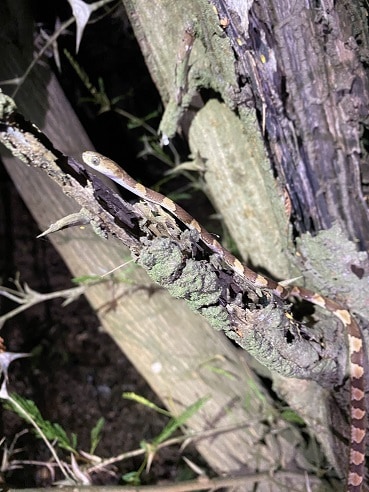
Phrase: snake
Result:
[358,410]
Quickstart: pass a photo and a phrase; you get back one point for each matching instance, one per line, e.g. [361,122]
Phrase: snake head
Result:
[92,159]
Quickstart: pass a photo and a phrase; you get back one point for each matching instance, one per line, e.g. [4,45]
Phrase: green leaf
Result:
[291,416]
[52,431]
[86,279]
[96,434]
[174,423]
[144,401]
[220,371]
[132,478]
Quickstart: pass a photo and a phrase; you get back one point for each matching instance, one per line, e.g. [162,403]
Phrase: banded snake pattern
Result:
[358,411]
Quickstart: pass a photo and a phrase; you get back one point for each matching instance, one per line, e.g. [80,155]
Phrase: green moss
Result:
[194,281]
[7,106]
[216,316]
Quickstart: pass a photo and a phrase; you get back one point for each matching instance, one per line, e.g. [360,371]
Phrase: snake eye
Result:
[95,161]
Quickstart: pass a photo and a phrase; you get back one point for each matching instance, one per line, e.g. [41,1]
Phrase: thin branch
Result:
[28,297]
[199,484]
[50,41]
[42,435]
[170,442]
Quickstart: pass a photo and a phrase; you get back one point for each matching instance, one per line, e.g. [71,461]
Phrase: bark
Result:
[308,78]
[303,68]
[226,139]
[154,331]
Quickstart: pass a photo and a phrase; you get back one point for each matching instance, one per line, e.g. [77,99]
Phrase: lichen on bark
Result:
[185,278]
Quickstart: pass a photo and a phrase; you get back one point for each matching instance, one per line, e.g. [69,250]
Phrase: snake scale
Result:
[356,468]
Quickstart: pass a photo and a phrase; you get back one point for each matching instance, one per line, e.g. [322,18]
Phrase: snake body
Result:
[358,410]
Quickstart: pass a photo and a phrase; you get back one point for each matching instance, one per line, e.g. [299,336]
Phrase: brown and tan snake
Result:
[356,467]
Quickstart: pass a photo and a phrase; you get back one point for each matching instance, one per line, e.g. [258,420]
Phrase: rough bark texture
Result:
[229,150]
[296,147]
[153,330]
[304,68]
[166,356]
[306,64]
